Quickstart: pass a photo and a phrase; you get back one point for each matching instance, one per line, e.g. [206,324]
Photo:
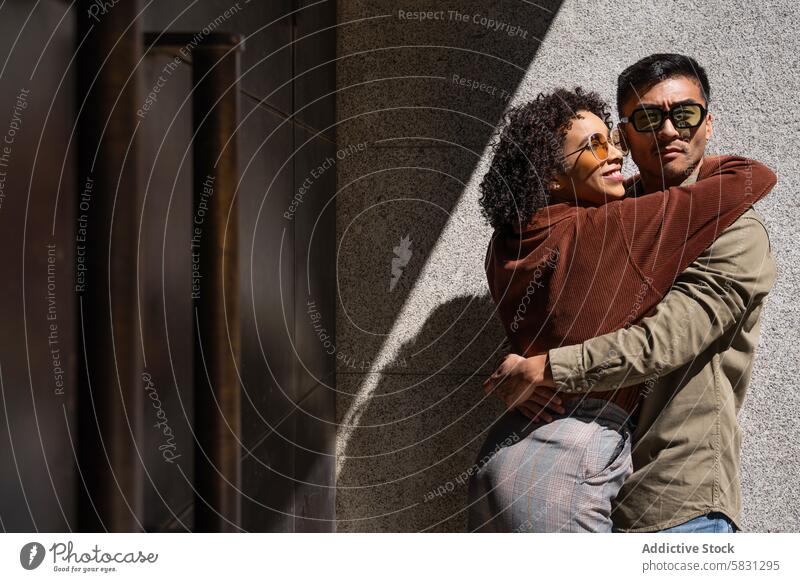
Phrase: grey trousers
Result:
[557,477]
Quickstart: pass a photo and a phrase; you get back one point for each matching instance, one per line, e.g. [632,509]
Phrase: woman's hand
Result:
[524,383]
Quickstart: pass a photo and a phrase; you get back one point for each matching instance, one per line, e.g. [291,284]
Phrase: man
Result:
[693,355]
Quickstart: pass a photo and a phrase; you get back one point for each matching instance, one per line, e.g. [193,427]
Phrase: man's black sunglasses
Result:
[683,116]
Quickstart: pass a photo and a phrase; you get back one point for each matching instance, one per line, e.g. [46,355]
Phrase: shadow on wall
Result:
[419,96]
[402,468]
[420,91]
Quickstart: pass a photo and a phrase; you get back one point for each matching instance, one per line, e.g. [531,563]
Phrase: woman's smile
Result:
[614,174]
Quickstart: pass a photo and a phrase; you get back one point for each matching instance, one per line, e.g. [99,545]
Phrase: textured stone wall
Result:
[418,100]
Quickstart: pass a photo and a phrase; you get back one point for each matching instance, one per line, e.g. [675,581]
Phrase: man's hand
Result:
[524,383]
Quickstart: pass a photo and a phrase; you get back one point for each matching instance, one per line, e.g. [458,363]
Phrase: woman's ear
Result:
[556,185]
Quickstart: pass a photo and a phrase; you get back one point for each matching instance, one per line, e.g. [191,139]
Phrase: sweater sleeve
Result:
[665,231]
[709,298]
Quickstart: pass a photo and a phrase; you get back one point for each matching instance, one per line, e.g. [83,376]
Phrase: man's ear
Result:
[709,126]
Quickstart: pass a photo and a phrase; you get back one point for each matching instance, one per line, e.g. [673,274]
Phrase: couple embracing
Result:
[631,309]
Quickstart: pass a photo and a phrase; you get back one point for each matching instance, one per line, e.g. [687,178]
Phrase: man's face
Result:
[667,155]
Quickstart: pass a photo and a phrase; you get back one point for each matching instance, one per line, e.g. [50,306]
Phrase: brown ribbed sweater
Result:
[577,272]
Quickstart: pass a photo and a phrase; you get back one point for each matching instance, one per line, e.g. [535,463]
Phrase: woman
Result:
[573,258]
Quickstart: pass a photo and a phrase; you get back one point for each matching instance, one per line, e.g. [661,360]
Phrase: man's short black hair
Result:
[645,73]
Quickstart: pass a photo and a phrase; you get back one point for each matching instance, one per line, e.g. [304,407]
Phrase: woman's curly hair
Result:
[528,154]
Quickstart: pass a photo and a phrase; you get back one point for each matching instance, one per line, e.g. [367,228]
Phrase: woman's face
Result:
[587,179]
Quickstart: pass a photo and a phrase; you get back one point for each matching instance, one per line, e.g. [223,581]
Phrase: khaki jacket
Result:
[694,355]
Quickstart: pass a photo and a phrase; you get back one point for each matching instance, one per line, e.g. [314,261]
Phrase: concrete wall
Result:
[411,355]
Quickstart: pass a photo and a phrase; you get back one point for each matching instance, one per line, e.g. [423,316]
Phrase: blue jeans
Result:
[711,523]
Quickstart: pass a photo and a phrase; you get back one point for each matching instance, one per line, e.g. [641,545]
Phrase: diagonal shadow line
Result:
[489,110]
